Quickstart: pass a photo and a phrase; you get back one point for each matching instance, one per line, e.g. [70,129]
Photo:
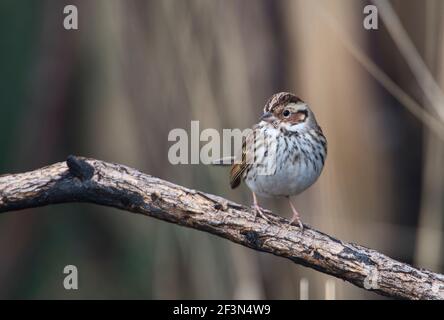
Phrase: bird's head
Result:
[287,112]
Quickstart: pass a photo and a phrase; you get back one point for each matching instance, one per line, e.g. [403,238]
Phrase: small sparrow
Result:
[283,155]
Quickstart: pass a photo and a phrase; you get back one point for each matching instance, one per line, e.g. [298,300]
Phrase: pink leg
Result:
[258,209]
[296,217]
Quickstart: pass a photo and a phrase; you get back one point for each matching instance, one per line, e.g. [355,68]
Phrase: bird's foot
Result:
[259,212]
[296,220]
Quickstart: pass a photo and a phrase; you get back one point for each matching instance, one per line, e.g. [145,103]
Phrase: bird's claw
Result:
[298,221]
[258,212]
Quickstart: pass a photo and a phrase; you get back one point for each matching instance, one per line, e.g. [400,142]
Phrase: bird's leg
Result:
[258,209]
[296,217]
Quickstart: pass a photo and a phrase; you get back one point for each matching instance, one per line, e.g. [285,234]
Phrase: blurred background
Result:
[134,70]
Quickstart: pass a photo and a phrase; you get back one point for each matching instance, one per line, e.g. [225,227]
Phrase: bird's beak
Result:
[267,117]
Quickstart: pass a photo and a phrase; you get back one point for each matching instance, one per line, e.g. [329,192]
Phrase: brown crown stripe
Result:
[281,98]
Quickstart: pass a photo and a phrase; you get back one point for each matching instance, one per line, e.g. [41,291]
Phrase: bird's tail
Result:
[226,161]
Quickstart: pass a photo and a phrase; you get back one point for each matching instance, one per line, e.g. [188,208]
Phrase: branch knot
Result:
[79,168]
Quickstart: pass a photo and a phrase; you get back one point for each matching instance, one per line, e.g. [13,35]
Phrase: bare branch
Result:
[89,180]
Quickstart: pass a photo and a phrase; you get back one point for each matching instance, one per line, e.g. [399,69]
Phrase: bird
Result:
[283,154]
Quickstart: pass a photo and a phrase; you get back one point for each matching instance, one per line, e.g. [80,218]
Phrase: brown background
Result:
[137,69]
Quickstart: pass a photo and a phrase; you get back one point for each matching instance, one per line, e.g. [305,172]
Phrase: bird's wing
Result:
[239,167]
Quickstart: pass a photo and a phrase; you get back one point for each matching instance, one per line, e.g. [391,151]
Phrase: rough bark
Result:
[89,180]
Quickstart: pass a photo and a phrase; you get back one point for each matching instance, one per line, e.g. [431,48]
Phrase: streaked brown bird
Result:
[284,153]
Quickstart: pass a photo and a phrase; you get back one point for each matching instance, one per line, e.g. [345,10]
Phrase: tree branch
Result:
[89,180]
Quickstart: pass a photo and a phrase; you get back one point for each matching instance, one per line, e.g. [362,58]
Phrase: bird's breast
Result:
[288,168]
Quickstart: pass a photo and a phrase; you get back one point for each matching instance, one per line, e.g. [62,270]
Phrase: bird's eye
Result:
[286,113]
